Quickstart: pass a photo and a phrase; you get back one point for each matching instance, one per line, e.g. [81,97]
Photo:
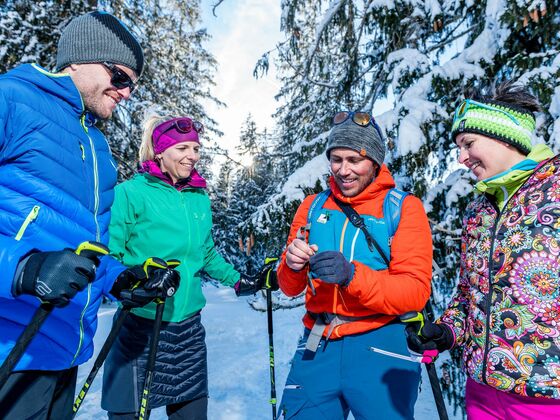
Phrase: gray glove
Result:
[331,267]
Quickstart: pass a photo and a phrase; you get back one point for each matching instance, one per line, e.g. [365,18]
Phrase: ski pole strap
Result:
[358,221]
[324,319]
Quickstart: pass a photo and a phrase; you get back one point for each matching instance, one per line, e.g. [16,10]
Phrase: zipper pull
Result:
[83,152]
[83,122]
[29,219]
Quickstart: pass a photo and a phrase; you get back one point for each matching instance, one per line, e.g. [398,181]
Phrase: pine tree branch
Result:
[453,38]
[224,153]
[215,6]
[302,74]
[436,226]
[319,34]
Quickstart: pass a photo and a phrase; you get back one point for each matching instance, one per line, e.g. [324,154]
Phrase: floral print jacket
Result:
[506,312]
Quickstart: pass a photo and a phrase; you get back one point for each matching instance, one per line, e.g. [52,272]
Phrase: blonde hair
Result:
[151,120]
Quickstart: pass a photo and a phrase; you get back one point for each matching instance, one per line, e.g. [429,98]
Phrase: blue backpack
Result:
[392,208]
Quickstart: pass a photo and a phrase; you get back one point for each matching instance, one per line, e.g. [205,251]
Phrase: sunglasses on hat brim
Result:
[363,119]
[119,78]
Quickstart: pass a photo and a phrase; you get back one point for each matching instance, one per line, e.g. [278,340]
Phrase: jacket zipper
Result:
[97,232]
[490,277]
[489,300]
[95,179]
[341,250]
[82,325]
[30,218]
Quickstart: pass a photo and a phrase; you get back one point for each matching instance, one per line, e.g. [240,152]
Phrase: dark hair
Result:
[509,93]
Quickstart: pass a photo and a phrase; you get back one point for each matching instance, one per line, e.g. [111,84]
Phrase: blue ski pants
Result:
[345,376]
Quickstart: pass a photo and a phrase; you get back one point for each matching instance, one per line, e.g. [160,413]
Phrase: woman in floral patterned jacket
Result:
[505,314]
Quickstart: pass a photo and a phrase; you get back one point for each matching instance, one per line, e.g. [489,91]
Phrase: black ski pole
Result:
[100,359]
[150,368]
[144,413]
[149,265]
[430,367]
[271,353]
[270,339]
[432,373]
[87,249]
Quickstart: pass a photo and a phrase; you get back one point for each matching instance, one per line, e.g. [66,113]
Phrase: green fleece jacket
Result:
[150,218]
[505,184]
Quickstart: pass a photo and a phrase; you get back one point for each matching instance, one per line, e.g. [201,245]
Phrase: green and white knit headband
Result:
[496,120]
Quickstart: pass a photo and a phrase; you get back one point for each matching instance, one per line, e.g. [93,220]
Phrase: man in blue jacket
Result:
[56,188]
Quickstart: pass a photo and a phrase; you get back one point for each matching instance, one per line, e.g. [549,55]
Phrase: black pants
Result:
[38,394]
[189,410]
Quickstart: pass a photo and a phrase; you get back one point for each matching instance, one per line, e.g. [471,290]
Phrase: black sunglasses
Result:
[119,78]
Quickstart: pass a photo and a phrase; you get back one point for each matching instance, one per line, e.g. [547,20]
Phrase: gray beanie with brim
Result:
[97,37]
[364,140]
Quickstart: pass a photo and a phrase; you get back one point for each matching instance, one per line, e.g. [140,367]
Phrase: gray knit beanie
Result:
[96,37]
[364,140]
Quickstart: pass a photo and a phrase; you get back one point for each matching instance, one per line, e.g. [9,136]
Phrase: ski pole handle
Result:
[413,316]
[269,260]
[91,250]
[418,317]
[172,264]
[153,263]
[87,249]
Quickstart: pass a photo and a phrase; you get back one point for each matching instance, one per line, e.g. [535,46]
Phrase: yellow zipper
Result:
[30,218]
[81,340]
[83,152]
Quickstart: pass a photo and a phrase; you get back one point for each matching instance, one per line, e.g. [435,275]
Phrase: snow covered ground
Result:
[237,340]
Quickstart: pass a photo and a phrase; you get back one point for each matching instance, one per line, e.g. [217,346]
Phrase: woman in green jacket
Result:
[164,210]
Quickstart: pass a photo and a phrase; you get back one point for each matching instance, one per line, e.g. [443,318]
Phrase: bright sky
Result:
[242,31]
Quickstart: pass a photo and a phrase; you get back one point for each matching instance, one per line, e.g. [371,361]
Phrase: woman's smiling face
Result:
[178,161]
[485,156]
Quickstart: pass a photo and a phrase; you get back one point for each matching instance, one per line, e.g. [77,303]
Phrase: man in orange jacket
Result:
[358,279]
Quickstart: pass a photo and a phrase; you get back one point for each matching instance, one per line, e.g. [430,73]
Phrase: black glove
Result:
[431,337]
[266,279]
[161,284]
[54,277]
[131,277]
[331,267]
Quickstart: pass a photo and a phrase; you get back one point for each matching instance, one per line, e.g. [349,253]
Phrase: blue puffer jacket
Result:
[56,188]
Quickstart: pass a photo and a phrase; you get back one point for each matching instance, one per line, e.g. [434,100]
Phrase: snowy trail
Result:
[237,340]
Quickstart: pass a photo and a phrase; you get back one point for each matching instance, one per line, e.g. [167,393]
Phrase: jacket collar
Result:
[382,182]
[58,85]
[151,168]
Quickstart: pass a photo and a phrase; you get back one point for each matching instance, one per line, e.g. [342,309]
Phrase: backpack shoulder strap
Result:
[358,221]
[392,208]
[317,203]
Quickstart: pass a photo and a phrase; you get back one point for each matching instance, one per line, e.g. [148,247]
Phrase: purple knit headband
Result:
[174,131]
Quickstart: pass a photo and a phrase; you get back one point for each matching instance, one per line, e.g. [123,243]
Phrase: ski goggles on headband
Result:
[494,120]
[467,104]
[363,119]
[184,125]
[119,78]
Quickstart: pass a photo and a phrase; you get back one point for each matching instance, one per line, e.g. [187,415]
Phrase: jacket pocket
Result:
[29,219]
